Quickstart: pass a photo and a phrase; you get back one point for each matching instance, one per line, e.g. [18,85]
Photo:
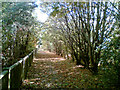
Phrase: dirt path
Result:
[51,71]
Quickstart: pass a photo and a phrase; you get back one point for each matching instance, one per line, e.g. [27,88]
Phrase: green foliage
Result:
[18,32]
[81,31]
[111,59]
[108,77]
[90,33]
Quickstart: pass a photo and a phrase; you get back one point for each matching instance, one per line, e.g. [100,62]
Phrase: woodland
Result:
[85,34]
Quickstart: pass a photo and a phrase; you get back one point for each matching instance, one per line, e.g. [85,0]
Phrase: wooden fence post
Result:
[13,76]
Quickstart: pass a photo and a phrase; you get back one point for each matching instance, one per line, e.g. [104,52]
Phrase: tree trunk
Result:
[95,68]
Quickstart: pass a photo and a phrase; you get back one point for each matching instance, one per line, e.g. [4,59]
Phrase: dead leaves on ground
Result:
[44,73]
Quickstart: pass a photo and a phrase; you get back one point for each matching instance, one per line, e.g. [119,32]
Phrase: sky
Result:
[42,17]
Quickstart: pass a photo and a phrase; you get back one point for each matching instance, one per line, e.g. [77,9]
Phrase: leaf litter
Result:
[52,71]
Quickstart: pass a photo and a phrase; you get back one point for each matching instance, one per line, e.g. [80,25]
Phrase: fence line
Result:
[13,76]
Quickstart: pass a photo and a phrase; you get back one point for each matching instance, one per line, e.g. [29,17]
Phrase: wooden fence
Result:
[13,76]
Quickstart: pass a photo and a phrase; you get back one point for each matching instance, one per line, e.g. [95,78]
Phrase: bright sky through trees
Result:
[42,17]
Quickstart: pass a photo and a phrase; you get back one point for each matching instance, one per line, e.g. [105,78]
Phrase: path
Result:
[51,71]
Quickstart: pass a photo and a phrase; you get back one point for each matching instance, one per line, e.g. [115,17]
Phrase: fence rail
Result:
[13,76]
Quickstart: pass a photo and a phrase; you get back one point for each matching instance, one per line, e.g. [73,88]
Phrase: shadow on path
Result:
[52,71]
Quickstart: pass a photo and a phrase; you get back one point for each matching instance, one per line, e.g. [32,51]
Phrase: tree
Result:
[84,27]
[18,25]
